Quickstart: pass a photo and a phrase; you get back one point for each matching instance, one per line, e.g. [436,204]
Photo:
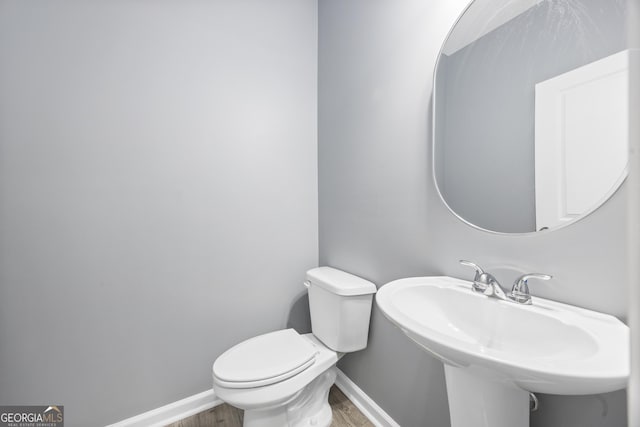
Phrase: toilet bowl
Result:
[282,378]
[298,398]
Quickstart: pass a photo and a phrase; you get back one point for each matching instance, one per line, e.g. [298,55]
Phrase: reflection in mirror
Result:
[530,112]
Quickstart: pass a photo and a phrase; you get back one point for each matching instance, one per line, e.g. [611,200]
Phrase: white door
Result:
[581,125]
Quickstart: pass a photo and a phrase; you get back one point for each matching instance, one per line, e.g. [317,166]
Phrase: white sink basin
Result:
[546,347]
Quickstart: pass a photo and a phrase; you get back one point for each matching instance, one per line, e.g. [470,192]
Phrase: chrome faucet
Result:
[486,284]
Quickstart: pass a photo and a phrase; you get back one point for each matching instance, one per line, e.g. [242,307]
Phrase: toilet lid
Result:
[265,359]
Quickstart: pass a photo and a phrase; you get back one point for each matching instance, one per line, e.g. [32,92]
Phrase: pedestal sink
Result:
[495,352]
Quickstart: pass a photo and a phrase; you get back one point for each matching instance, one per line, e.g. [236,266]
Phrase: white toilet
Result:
[283,378]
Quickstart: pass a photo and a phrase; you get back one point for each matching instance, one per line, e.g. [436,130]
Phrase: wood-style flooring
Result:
[345,414]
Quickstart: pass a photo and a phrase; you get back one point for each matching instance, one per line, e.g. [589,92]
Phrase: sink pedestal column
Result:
[477,400]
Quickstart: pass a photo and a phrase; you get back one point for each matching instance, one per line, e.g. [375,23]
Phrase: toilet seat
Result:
[264,360]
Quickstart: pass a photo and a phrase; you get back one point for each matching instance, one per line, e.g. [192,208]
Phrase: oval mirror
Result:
[531,112]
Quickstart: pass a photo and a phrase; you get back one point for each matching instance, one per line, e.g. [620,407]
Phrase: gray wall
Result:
[158,193]
[633,268]
[488,119]
[381,217]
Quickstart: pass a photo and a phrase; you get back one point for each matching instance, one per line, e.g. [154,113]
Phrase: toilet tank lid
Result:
[340,282]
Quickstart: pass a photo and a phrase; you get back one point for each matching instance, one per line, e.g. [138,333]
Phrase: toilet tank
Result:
[340,306]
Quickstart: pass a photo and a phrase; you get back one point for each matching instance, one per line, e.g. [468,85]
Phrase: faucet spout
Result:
[498,292]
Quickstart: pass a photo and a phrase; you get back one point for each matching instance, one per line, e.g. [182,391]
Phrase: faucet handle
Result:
[483,282]
[478,269]
[520,290]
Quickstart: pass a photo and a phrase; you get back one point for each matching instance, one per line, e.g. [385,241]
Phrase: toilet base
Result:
[309,407]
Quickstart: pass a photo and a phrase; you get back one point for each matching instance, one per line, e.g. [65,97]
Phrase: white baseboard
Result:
[172,412]
[367,406]
[197,403]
